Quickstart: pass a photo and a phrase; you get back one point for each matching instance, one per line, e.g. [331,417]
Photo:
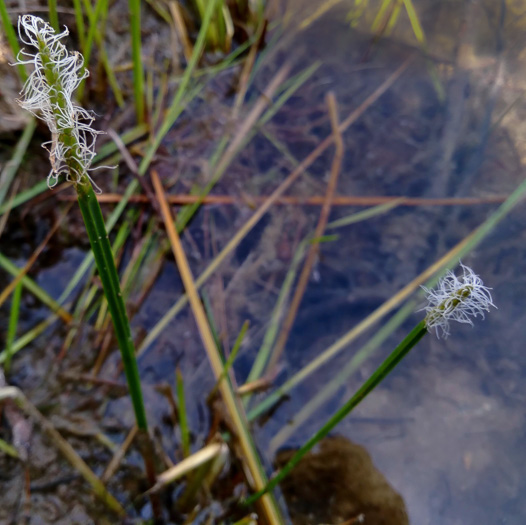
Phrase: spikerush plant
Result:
[48,94]
[454,299]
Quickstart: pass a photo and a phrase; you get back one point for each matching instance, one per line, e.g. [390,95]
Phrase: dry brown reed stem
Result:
[338,200]
[179,28]
[318,232]
[250,121]
[6,292]
[117,458]
[247,69]
[253,469]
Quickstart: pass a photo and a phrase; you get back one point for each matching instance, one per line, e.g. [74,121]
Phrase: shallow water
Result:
[447,427]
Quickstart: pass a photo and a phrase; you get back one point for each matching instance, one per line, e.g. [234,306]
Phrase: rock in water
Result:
[340,484]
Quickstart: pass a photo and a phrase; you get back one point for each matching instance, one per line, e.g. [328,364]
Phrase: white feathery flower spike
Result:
[456,299]
[47,94]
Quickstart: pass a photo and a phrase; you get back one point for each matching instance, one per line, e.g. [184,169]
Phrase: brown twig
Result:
[318,232]
[338,200]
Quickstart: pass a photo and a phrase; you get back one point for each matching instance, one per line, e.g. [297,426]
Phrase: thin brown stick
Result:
[338,200]
[250,121]
[247,69]
[318,232]
[116,460]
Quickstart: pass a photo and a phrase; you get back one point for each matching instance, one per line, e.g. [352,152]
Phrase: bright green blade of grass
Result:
[415,22]
[232,357]
[376,378]
[11,168]
[138,73]
[8,449]
[122,235]
[13,324]
[53,15]
[393,19]
[88,260]
[100,6]
[79,20]
[97,34]
[103,255]
[377,22]
[12,39]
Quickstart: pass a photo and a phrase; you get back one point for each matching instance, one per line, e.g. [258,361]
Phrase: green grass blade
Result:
[232,357]
[415,22]
[138,73]
[53,15]
[376,378]
[12,39]
[97,35]
[120,238]
[24,196]
[262,357]
[29,336]
[10,169]
[79,20]
[13,323]
[101,248]
[94,16]
[183,419]
[377,22]
[373,211]
[33,287]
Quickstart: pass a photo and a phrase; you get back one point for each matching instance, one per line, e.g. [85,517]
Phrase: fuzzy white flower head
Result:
[47,94]
[456,299]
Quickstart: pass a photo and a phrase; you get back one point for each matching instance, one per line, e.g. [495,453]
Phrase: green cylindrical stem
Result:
[100,245]
[97,234]
[381,372]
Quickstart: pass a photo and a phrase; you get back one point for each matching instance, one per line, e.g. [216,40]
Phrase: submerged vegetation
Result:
[220,117]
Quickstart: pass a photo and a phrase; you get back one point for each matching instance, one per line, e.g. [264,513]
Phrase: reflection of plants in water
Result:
[454,299]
